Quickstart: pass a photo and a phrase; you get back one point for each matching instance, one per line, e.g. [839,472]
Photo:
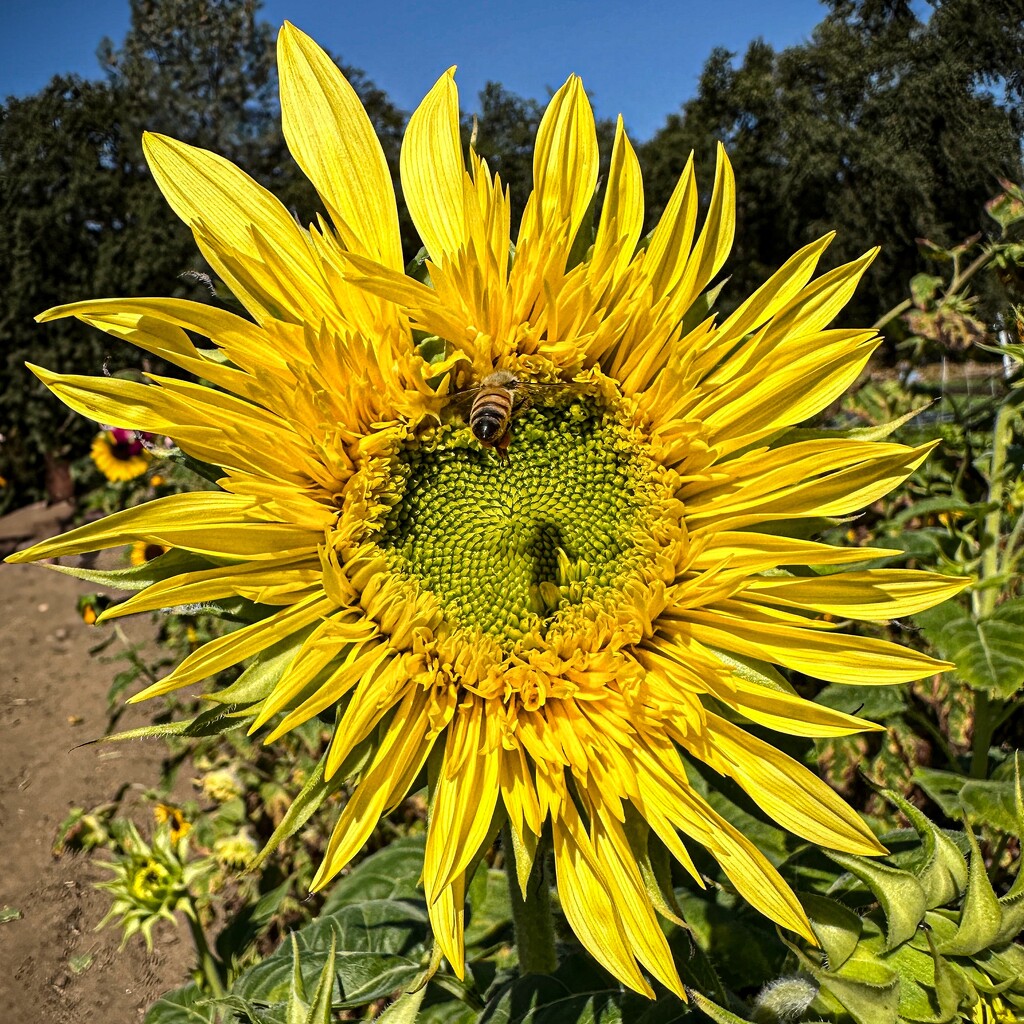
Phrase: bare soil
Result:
[54,967]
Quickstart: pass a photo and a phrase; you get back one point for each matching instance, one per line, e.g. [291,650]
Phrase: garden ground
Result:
[53,696]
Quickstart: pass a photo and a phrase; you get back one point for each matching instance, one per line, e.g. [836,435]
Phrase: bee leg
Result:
[501,448]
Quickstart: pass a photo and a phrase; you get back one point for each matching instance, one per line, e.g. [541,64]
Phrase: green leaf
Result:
[836,927]
[212,722]
[981,916]
[449,1011]
[404,1010]
[743,944]
[579,992]
[246,925]
[719,1014]
[417,267]
[381,947]
[391,874]
[989,653]
[987,803]
[951,985]
[138,577]
[869,991]
[1003,964]
[944,873]
[310,797]
[182,1006]
[923,288]
[901,895]
[319,1011]
[490,910]
[754,671]
[585,236]
[204,470]
[258,678]
[936,507]
[919,999]
[702,308]
[875,432]
[655,864]
[876,703]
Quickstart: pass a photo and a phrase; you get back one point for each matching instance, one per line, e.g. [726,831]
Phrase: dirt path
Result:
[52,697]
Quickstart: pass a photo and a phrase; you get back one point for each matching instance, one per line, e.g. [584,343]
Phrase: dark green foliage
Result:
[505,132]
[882,126]
[81,218]
[76,222]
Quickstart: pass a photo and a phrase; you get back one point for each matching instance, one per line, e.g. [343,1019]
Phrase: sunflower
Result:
[119,455]
[543,637]
[142,552]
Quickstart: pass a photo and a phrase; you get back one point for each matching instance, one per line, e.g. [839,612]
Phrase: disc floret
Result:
[513,549]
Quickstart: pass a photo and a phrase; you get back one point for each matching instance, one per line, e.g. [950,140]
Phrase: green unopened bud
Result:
[784,1000]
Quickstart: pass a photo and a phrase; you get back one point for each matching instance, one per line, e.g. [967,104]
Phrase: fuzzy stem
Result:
[990,560]
[984,726]
[533,918]
[986,713]
[209,965]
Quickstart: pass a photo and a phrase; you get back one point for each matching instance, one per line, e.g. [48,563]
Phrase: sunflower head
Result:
[119,454]
[150,881]
[142,552]
[545,618]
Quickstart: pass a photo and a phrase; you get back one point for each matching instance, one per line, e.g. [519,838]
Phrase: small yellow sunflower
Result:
[174,818]
[543,636]
[119,455]
[142,552]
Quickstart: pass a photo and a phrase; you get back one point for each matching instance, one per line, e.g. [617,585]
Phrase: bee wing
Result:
[547,390]
[462,400]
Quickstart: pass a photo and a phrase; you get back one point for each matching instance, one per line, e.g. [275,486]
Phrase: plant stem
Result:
[985,597]
[984,726]
[986,714]
[936,734]
[960,278]
[532,917]
[208,963]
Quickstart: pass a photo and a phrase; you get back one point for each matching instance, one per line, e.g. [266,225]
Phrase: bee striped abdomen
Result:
[491,415]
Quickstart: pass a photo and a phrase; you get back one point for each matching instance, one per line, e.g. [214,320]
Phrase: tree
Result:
[880,126]
[82,218]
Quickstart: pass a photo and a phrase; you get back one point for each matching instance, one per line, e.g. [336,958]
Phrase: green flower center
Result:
[509,546]
[152,883]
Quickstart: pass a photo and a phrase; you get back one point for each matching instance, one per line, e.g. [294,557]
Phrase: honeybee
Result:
[498,398]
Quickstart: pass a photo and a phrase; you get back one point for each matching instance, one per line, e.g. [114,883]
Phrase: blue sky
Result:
[640,59]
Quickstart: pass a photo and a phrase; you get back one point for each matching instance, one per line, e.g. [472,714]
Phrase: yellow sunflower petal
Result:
[588,905]
[874,595]
[447,919]
[239,216]
[229,650]
[715,239]
[465,794]
[792,795]
[333,141]
[565,164]
[622,215]
[433,169]
[837,657]
[397,762]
